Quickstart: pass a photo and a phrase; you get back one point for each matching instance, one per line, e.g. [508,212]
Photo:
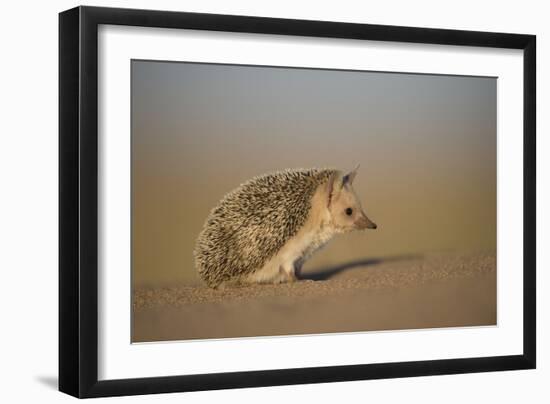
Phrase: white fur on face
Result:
[345,198]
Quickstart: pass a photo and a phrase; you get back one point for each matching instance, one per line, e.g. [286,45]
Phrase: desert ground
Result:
[400,292]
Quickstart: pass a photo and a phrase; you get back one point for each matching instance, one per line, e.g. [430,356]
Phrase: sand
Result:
[401,292]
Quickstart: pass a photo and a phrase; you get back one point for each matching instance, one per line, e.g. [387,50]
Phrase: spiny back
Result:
[253,222]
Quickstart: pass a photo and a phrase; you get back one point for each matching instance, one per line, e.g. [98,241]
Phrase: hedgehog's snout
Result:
[365,223]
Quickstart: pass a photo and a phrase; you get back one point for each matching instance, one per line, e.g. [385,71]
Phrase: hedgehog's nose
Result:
[371,225]
[365,223]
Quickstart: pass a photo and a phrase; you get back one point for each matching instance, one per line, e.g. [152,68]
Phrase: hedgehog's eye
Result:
[349,211]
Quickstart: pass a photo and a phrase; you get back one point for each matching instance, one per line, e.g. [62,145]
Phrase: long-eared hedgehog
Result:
[264,230]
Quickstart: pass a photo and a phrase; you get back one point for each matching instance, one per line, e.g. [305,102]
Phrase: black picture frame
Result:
[78,201]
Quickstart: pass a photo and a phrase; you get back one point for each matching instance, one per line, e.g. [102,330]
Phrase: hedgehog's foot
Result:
[229,284]
[287,275]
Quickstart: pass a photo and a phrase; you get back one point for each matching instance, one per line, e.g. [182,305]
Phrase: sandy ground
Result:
[404,292]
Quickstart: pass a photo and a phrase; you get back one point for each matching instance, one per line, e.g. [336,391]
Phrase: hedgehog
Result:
[264,230]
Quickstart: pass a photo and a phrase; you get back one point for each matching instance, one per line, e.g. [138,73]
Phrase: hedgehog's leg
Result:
[287,273]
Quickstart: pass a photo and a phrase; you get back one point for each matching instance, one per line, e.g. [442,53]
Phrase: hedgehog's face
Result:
[344,206]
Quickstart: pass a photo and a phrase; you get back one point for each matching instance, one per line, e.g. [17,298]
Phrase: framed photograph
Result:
[249,201]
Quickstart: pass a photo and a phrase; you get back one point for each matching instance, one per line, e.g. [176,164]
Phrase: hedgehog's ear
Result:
[330,187]
[349,177]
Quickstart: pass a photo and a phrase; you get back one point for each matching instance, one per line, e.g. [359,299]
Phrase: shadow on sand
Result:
[326,273]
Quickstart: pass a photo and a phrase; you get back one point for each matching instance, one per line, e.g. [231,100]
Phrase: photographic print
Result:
[272,201]
[248,201]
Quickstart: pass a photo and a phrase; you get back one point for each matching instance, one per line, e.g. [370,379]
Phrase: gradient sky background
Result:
[426,145]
